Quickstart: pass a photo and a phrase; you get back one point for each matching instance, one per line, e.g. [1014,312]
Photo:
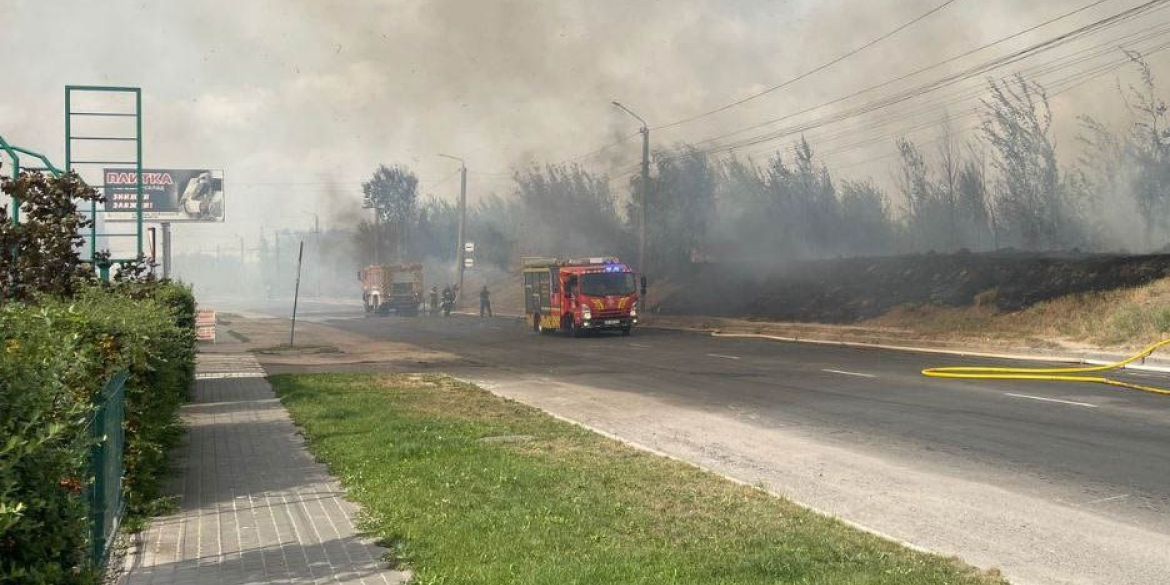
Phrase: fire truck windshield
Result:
[601,284]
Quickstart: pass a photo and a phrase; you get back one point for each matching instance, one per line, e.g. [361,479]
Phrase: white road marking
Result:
[639,346]
[1103,500]
[844,373]
[726,357]
[1041,398]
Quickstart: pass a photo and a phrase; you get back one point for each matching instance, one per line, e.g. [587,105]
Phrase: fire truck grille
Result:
[609,314]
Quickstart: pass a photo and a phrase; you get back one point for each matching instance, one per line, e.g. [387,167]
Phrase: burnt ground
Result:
[852,289]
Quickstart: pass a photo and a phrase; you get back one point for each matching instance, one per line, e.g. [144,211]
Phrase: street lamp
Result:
[459,254]
[645,130]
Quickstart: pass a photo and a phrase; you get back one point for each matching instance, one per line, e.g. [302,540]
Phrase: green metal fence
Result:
[106,502]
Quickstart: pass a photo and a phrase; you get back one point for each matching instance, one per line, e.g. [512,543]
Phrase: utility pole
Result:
[645,196]
[292,332]
[460,254]
[645,187]
[166,249]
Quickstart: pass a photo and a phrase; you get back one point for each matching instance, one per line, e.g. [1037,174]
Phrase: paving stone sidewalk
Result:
[254,506]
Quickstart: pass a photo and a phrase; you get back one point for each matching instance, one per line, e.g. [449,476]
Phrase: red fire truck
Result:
[581,295]
[395,287]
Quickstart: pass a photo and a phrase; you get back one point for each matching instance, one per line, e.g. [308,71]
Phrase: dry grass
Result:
[1126,318]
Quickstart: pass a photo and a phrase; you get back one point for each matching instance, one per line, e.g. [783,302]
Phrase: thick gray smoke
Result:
[299,101]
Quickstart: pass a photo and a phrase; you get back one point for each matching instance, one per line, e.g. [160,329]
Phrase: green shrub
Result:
[160,356]
[54,358]
[46,384]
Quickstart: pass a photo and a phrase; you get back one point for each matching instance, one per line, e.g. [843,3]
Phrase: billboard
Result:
[168,195]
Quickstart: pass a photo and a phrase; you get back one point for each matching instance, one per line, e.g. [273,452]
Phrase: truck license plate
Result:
[612,321]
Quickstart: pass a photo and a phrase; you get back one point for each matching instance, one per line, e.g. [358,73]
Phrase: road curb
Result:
[1154,365]
[705,469]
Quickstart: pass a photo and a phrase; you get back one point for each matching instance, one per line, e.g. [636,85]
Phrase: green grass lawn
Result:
[468,488]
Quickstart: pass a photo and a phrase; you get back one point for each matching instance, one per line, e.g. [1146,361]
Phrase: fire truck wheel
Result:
[626,331]
[575,329]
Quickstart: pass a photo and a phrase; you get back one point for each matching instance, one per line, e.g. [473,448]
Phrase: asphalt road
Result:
[1086,458]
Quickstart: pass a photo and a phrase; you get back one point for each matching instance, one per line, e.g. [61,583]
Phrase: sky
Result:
[298,101]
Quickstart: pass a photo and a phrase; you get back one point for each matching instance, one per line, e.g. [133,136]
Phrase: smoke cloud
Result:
[299,100]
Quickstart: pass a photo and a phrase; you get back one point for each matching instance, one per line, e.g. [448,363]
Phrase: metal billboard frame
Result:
[137,162]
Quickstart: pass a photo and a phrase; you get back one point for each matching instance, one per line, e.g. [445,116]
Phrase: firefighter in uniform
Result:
[448,300]
[485,302]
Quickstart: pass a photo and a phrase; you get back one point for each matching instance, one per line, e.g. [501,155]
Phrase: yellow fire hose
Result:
[1073,374]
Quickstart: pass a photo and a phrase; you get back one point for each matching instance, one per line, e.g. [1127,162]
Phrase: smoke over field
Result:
[779,131]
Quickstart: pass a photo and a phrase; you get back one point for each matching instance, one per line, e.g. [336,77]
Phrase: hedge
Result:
[54,358]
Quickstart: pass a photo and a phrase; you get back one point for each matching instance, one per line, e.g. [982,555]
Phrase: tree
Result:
[494,230]
[775,212]
[393,194]
[42,253]
[435,233]
[926,218]
[949,163]
[1016,124]
[1148,149]
[974,206]
[680,211]
[567,211]
[865,217]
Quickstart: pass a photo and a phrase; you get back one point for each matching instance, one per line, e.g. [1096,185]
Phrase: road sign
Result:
[469,247]
[468,262]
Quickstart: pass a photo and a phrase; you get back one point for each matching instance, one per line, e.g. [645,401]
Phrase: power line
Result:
[1063,86]
[579,157]
[869,107]
[810,72]
[947,61]
[593,153]
[445,179]
[1059,86]
[922,89]
[935,85]
[1036,72]
[863,91]
[919,71]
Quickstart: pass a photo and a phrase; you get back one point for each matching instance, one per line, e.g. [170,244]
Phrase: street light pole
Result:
[460,254]
[645,184]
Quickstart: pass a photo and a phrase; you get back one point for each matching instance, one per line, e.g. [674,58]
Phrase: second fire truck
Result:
[581,295]
[393,287]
